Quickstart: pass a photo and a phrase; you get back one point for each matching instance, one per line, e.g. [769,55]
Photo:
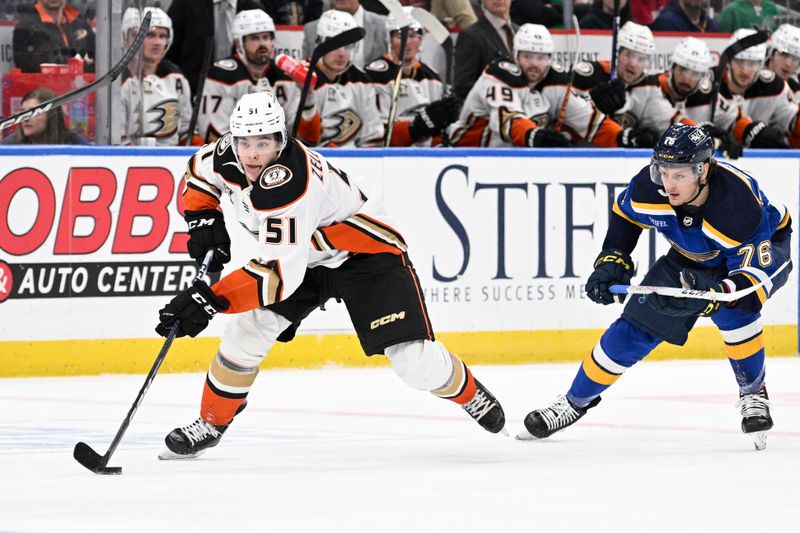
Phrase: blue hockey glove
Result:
[611,267]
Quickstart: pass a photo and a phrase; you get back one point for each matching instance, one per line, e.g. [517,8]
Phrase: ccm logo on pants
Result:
[387,319]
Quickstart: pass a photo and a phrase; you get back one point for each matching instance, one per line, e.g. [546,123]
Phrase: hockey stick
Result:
[102,81]
[83,453]
[562,113]
[692,293]
[346,38]
[442,36]
[614,32]
[396,12]
[201,82]
[725,58]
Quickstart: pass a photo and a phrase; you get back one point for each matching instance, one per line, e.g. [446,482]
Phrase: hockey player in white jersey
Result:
[422,112]
[783,55]
[518,103]
[316,236]
[341,112]
[156,108]
[633,99]
[252,68]
[761,94]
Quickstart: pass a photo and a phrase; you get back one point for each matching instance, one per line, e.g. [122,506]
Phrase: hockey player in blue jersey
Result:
[725,235]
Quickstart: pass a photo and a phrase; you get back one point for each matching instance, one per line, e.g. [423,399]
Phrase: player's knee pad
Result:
[249,336]
[422,364]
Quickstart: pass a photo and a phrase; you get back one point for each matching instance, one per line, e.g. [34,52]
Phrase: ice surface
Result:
[356,450]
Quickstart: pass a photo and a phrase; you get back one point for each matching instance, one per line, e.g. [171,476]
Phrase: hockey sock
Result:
[460,388]
[747,359]
[225,389]
[620,347]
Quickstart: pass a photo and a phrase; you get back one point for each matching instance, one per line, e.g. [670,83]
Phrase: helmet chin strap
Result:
[700,188]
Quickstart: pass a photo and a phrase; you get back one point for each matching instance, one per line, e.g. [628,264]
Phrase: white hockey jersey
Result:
[161,104]
[769,100]
[342,112]
[416,91]
[302,212]
[501,108]
[228,80]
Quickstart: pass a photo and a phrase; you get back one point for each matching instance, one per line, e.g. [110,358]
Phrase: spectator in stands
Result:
[52,32]
[646,11]
[196,21]
[491,38]
[686,16]
[292,12]
[47,128]
[374,44]
[538,12]
[601,15]
[748,14]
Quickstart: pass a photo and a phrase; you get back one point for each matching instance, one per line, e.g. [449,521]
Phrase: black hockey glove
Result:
[546,138]
[637,138]
[685,307]
[611,267]
[760,135]
[194,307]
[207,231]
[434,117]
[609,97]
[723,140]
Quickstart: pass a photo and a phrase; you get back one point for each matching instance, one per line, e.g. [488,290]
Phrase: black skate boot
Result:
[542,423]
[191,441]
[756,420]
[486,410]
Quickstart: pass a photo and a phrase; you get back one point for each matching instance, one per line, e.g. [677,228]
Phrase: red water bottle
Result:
[294,69]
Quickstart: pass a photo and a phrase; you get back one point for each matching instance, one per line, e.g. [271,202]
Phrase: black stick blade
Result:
[92,460]
[351,36]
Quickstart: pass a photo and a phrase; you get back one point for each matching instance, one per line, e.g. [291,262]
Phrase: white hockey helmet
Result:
[334,22]
[251,21]
[258,114]
[132,19]
[754,53]
[393,24]
[693,54]
[786,39]
[533,38]
[637,38]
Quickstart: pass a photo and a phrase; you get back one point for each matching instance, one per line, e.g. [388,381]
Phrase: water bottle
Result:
[79,109]
[294,69]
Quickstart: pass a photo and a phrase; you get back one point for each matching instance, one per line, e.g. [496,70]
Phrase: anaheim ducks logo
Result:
[224,143]
[165,122]
[541,120]
[274,176]
[344,126]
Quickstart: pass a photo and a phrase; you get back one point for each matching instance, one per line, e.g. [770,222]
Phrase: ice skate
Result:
[486,410]
[193,440]
[542,423]
[756,419]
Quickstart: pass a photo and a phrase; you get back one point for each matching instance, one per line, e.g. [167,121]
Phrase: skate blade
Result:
[760,440]
[169,455]
[525,436]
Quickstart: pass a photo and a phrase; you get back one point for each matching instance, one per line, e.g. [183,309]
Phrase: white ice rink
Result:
[355,450]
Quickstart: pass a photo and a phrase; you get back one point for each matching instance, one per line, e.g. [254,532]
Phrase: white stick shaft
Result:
[678,292]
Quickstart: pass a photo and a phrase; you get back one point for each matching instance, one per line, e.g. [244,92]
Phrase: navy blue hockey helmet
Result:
[681,146]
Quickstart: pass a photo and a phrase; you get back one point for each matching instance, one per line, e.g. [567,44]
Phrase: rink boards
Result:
[502,240]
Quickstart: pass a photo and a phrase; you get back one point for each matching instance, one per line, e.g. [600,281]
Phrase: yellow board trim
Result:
[135,356]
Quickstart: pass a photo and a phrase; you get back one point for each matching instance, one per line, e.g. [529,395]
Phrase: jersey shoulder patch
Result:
[507,72]
[766,75]
[381,71]
[424,72]
[588,74]
[767,84]
[226,64]
[286,180]
[733,207]
[379,65]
